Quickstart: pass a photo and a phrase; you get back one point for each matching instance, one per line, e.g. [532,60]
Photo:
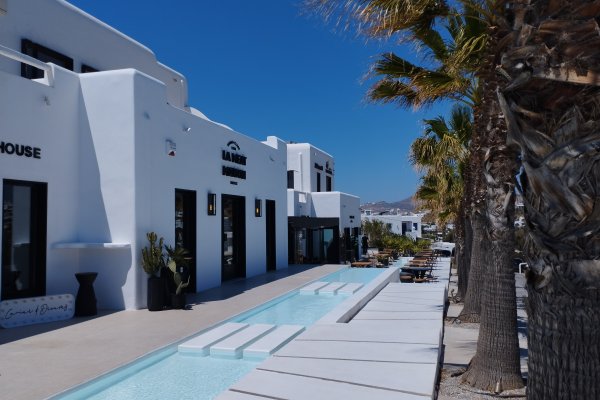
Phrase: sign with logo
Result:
[33,310]
[20,150]
[232,155]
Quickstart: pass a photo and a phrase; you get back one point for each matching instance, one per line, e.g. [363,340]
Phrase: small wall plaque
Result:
[34,310]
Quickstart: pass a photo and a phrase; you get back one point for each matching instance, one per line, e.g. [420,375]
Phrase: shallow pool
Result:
[168,374]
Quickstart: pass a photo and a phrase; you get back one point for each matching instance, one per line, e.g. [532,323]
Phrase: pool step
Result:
[350,288]
[272,341]
[332,288]
[200,345]
[313,287]
[233,345]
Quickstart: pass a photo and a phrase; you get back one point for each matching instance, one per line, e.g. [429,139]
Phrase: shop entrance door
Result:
[24,209]
[233,224]
[271,241]
[185,230]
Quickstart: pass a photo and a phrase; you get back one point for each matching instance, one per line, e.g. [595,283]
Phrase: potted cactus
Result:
[177,264]
[152,261]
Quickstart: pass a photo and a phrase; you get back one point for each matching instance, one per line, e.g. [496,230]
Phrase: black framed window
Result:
[43,54]
[328,183]
[290,179]
[318,182]
[86,69]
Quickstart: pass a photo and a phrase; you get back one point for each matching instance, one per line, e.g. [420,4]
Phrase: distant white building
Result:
[324,225]
[407,225]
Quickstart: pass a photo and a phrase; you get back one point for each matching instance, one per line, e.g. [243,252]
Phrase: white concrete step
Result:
[272,341]
[232,346]
[200,344]
[350,288]
[313,287]
[332,288]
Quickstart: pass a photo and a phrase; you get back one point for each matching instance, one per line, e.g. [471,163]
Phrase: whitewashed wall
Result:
[66,29]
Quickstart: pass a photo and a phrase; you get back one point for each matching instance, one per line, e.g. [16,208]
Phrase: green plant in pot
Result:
[153,260]
[178,265]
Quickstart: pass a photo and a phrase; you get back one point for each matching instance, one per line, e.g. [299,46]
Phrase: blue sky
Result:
[264,68]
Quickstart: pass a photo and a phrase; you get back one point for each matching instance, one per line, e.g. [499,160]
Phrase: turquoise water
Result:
[299,309]
[170,375]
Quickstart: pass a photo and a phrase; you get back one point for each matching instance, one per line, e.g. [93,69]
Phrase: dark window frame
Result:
[36,51]
[86,69]
[290,179]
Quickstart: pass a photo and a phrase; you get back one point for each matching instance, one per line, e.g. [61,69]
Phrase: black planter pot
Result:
[156,296]
[178,301]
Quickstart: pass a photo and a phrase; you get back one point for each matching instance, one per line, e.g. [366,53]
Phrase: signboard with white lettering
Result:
[33,310]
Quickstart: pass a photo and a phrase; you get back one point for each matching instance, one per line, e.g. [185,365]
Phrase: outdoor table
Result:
[361,264]
[419,272]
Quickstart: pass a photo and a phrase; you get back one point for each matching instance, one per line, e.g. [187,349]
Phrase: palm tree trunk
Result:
[552,108]
[496,363]
[564,343]
[462,250]
[479,252]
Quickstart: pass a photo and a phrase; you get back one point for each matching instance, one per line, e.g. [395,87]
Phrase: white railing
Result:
[20,57]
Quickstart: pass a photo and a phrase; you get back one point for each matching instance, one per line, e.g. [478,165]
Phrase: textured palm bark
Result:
[461,250]
[552,108]
[479,251]
[496,363]
[564,344]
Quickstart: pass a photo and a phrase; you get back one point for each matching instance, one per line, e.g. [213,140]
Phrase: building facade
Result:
[407,225]
[324,225]
[98,146]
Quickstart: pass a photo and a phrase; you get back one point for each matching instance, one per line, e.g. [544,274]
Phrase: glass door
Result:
[185,230]
[23,239]
[233,225]
[271,244]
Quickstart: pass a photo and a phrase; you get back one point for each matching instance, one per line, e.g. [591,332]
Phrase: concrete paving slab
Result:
[231,395]
[200,345]
[272,341]
[411,378]
[234,344]
[407,305]
[275,385]
[426,332]
[460,345]
[313,287]
[332,288]
[350,288]
[398,315]
[362,351]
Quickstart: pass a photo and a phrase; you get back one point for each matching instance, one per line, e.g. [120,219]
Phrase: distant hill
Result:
[379,206]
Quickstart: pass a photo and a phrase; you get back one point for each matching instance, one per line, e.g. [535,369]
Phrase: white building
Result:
[408,225]
[91,161]
[324,224]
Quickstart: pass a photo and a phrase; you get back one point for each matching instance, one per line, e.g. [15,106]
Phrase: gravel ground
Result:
[451,388]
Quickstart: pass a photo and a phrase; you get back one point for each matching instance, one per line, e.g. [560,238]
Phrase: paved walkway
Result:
[460,345]
[38,361]
[389,350]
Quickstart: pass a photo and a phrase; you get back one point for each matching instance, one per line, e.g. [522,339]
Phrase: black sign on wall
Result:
[232,155]
[20,150]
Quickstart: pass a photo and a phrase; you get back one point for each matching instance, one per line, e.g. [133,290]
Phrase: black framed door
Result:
[271,235]
[233,228]
[24,220]
[185,229]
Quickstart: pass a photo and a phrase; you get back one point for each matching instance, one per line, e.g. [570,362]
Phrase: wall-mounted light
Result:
[257,207]
[212,204]
[171,148]
[186,129]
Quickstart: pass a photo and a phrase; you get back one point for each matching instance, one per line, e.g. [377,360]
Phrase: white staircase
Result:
[234,340]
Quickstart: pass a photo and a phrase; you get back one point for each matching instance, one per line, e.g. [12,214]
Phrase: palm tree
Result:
[441,154]
[497,358]
[552,103]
